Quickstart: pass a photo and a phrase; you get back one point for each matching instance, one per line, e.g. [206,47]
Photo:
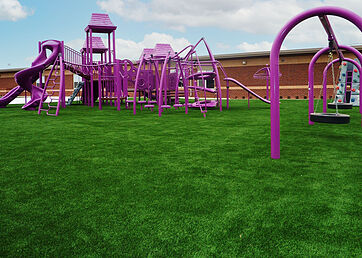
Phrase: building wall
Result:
[293,82]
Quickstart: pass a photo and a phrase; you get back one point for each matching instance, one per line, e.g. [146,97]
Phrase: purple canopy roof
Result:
[147,52]
[100,23]
[161,50]
[97,46]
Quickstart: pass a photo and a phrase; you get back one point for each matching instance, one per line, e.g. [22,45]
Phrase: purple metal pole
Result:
[63,75]
[136,84]
[184,82]
[162,84]
[91,69]
[117,84]
[217,77]
[227,94]
[114,46]
[40,73]
[248,100]
[109,48]
[86,91]
[99,87]
[274,64]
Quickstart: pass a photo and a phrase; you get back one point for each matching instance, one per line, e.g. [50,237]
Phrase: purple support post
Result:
[117,83]
[109,48]
[40,73]
[62,70]
[217,77]
[135,86]
[227,94]
[99,86]
[185,84]
[248,100]
[274,64]
[114,46]
[85,88]
[162,84]
[91,69]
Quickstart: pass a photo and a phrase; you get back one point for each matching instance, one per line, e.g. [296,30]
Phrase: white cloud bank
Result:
[262,17]
[12,10]
[259,16]
[132,50]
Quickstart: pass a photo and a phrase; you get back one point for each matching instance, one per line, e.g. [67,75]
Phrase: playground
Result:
[153,158]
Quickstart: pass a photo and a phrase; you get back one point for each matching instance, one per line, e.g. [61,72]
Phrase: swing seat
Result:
[340,105]
[149,106]
[329,118]
[178,105]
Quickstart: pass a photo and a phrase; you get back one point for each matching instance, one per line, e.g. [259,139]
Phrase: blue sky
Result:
[229,26]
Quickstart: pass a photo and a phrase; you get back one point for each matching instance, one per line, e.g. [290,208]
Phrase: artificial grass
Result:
[107,183]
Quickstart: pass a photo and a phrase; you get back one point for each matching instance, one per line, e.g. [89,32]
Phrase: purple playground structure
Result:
[336,118]
[161,78]
[165,79]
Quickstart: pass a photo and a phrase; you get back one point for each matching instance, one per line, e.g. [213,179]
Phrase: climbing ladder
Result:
[54,84]
[349,77]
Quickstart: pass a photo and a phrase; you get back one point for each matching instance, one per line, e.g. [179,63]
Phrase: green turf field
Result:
[107,183]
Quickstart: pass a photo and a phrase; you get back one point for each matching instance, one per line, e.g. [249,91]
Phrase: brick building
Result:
[242,66]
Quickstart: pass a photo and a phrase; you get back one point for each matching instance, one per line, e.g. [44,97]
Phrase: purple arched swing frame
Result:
[322,13]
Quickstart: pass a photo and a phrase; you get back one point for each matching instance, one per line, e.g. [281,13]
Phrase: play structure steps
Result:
[75,93]
[165,106]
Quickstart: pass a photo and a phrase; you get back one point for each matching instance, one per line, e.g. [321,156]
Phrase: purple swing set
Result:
[321,13]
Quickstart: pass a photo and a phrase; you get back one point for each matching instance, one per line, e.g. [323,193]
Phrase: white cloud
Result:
[76,44]
[222,46]
[30,59]
[259,46]
[12,10]
[266,16]
[252,16]
[132,50]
